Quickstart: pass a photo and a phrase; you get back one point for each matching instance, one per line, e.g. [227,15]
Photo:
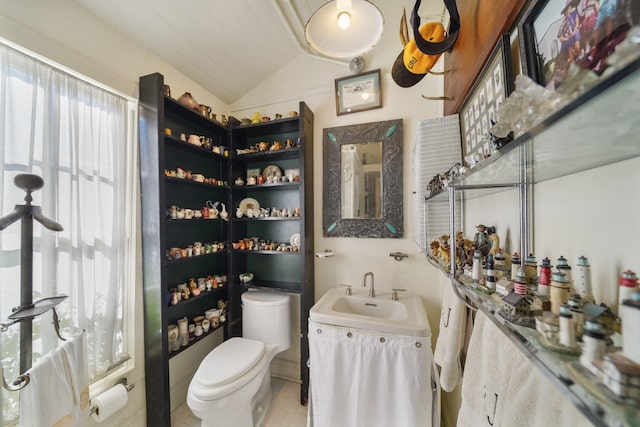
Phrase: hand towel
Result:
[451,338]
[501,387]
[75,349]
[57,394]
[48,398]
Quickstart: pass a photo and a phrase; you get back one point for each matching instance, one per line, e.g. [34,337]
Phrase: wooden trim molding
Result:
[482,22]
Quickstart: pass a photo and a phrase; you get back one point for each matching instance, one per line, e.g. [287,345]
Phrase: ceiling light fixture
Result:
[344,28]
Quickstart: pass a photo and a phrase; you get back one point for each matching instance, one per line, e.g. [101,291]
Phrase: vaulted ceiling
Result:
[226,46]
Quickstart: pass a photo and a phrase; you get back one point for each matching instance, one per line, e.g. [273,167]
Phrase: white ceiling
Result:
[226,46]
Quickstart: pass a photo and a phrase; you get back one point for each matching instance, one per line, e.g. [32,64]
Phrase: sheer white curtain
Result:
[79,138]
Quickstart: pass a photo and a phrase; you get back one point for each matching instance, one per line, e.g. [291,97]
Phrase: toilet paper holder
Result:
[122,381]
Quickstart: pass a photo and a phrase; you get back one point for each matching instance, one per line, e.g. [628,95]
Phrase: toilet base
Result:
[261,402]
[246,417]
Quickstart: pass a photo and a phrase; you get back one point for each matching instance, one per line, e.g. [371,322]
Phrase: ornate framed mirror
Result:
[362,182]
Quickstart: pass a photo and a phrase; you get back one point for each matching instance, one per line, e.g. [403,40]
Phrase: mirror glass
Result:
[362,180]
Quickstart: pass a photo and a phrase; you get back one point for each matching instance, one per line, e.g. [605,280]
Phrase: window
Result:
[80,138]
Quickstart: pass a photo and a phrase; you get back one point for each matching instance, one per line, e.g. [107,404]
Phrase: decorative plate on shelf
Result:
[295,239]
[273,171]
[249,203]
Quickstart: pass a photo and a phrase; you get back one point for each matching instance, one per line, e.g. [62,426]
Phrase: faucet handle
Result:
[394,293]
[348,290]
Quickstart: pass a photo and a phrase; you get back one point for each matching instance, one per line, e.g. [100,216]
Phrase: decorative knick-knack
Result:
[515,265]
[582,282]
[189,101]
[560,290]
[563,265]
[223,212]
[544,278]
[627,282]
[476,271]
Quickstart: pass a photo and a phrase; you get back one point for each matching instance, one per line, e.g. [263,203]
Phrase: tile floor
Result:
[285,410]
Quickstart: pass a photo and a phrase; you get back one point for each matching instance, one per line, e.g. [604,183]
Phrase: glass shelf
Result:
[605,410]
[576,138]
[598,128]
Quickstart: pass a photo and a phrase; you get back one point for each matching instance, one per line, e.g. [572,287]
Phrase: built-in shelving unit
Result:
[599,128]
[289,271]
[169,164]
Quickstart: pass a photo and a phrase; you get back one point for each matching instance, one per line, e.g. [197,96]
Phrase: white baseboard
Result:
[285,369]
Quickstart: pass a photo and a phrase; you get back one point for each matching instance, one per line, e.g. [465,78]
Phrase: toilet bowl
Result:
[232,385]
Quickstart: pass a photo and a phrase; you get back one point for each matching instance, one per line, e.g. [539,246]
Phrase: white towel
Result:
[75,349]
[451,338]
[500,387]
[57,387]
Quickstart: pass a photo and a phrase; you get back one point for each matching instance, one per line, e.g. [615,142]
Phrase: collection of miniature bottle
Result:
[256,244]
[195,287]
[196,249]
[185,330]
[188,175]
[558,302]
[264,146]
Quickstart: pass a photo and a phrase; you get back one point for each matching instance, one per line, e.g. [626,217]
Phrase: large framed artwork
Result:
[479,110]
[359,92]
[558,33]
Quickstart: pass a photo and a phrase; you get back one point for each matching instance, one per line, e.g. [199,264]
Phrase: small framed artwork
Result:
[479,109]
[558,33]
[359,92]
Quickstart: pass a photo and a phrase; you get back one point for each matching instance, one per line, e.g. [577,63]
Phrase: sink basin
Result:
[406,316]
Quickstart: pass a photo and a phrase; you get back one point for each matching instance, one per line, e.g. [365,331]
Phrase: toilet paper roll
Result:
[109,402]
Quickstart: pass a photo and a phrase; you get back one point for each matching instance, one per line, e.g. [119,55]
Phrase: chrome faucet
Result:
[372,291]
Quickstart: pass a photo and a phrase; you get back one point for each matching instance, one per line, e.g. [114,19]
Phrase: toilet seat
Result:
[227,368]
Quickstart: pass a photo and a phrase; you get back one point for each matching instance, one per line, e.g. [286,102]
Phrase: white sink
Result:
[406,316]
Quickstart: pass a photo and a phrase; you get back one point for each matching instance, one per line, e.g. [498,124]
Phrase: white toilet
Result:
[232,386]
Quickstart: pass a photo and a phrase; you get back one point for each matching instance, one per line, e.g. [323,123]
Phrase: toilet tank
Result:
[266,317]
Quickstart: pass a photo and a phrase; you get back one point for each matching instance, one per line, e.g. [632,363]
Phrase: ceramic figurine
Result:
[544,278]
[564,266]
[256,118]
[495,240]
[490,278]
[434,245]
[575,305]
[476,272]
[188,101]
[594,340]
[582,282]
[567,331]
[630,314]
[481,240]
[559,290]
[530,269]
[627,282]
[520,284]
[444,249]
[518,310]
[515,265]
[223,212]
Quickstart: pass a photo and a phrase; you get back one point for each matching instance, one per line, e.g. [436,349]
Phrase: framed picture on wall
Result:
[558,33]
[478,110]
[359,92]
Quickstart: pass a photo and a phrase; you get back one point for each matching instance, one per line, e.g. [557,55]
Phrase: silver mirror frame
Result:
[390,224]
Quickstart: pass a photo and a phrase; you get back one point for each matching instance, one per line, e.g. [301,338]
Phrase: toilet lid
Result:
[229,361]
